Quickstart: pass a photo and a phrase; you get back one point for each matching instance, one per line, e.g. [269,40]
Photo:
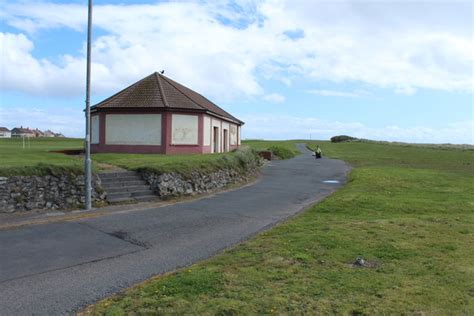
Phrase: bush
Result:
[342,138]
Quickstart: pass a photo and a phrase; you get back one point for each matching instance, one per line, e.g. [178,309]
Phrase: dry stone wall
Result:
[169,185]
[25,193]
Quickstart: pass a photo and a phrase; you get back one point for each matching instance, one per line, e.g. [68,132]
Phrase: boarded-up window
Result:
[184,129]
[133,129]
[95,129]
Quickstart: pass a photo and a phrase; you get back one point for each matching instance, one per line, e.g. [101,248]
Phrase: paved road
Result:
[61,267]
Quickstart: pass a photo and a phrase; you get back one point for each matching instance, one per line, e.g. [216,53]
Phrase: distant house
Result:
[49,133]
[38,133]
[159,115]
[22,132]
[5,132]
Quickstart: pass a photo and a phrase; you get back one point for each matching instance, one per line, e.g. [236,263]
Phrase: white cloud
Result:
[336,93]
[292,127]
[399,45]
[405,90]
[274,97]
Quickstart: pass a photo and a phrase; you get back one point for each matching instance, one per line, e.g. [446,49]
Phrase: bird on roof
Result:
[162,72]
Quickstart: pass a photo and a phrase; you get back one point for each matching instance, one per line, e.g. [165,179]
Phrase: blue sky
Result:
[386,70]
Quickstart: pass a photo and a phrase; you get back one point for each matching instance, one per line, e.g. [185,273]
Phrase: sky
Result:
[291,69]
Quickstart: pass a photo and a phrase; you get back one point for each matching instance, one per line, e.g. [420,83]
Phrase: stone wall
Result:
[25,193]
[169,185]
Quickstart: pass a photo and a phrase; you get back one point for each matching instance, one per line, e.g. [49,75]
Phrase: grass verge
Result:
[242,158]
[281,149]
[37,157]
[410,211]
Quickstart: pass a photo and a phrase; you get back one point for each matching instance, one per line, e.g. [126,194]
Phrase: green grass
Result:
[37,158]
[183,164]
[282,149]
[409,209]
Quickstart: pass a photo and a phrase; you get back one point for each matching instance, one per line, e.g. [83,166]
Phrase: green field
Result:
[408,210]
[37,157]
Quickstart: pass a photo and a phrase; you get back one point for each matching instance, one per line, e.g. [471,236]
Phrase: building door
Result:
[226,140]
[215,135]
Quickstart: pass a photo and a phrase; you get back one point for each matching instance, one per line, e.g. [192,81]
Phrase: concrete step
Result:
[119,184]
[131,194]
[110,175]
[127,188]
[130,177]
[142,193]
[145,197]
[120,199]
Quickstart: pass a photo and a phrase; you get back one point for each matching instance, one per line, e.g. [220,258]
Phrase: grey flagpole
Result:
[87,162]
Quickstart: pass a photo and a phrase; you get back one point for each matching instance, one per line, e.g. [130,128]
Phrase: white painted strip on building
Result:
[184,129]
[207,131]
[133,129]
[238,135]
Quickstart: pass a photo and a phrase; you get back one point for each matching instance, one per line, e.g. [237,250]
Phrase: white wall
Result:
[238,135]
[184,129]
[5,134]
[95,129]
[133,129]
[207,131]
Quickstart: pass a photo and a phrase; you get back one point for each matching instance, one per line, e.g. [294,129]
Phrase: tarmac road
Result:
[59,268]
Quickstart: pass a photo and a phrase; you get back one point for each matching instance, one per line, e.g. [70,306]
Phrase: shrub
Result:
[342,138]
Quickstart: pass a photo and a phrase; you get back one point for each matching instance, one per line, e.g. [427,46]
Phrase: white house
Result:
[5,132]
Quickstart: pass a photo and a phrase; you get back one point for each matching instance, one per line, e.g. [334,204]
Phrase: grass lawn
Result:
[409,210]
[183,164]
[37,158]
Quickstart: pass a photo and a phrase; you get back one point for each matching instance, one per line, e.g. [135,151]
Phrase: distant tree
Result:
[342,138]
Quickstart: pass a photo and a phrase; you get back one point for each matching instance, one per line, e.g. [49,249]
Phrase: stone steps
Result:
[125,186]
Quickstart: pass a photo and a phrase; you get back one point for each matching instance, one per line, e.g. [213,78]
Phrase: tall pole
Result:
[87,161]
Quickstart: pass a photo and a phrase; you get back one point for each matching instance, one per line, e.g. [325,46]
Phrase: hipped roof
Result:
[159,91]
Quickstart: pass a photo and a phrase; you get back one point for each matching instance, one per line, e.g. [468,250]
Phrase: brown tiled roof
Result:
[4,129]
[158,91]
